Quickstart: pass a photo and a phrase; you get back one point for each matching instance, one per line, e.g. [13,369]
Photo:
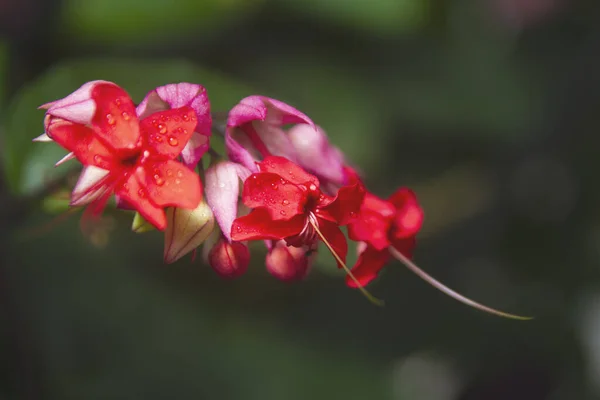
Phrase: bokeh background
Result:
[489,109]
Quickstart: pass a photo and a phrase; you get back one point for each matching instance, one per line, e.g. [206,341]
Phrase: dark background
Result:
[489,109]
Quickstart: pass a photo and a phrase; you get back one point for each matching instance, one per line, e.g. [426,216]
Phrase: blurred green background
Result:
[488,109]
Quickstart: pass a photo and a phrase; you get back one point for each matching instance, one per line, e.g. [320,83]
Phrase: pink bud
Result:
[288,263]
[229,260]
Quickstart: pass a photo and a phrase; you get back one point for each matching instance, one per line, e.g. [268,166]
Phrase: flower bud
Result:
[288,263]
[229,260]
[186,230]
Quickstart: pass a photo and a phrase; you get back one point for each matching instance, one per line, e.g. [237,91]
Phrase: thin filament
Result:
[446,290]
[364,291]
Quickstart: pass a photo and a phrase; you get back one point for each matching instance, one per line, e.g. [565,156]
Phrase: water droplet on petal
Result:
[173,141]
[162,129]
[221,184]
[97,158]
[312,187]
[274,186]
[282,212]
[185,117]
[177,181]
[179,174]
[125,116]
[142,193]
[110,119]
[239,229]
[285,202]
[118,102]
[158,180]
[158,138]
[169,172]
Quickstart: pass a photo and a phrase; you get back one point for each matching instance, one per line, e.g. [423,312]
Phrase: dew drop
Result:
[158,138]
[110,119]
[154,122]
[185,117]
[142,193]
[173,141]
[125,116]
[312,187]
[97,158]
[274,186]
[179,174]
[285,202]
[158,180]
[169,172]
[177,181]
[118,102]
[239,229]
[282,212]
[162,129]
[221,185]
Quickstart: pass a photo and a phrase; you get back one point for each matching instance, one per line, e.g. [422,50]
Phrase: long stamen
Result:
[446,290]
[364,291]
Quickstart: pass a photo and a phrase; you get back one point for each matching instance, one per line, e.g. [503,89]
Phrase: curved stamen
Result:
[446,290]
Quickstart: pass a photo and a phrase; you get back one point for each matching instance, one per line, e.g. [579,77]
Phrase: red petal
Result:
[134,192]
[167,132]
[370,227]
[115,121]
[346,205]
[81,140]
[258,225]
[282,199]
[170,183]
[335,238]
[287,170]
[409,215]
[368,265]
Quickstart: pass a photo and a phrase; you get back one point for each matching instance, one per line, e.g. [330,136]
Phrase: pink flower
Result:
[131,158]
[255,131]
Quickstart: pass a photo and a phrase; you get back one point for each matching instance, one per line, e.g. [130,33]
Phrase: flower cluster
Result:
[280,182]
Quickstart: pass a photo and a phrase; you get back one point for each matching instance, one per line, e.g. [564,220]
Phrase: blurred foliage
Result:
[128,22]
[378,17]
[490,118]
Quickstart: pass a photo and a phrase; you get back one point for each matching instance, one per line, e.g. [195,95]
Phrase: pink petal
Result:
[78,107]
[195,148]
[91,185]
[222,186]
[316,154]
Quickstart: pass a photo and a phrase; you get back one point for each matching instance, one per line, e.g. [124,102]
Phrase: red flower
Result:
[288,205]
[137,156]
[382,224]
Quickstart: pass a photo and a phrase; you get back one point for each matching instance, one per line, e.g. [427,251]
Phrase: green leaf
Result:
[29,165]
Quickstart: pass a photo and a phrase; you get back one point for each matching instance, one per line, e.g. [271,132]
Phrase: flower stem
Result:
[446,290]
